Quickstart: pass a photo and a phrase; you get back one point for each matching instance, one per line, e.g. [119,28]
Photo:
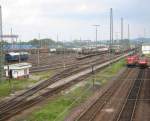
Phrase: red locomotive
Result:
[143,62]
[132,60]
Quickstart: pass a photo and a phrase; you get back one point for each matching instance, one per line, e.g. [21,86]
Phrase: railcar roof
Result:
[13,53]
[18,66]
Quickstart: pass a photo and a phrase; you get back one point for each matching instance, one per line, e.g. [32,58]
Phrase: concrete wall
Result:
[19,73]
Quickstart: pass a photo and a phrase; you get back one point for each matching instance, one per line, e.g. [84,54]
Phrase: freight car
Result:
[39,50]
[87,51]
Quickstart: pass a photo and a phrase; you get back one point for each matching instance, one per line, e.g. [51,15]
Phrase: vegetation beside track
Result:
[106,74]
[19,84]
[58,108]
[43,75]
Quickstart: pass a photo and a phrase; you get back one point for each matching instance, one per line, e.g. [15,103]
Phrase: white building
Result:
[17,70]
[145,49]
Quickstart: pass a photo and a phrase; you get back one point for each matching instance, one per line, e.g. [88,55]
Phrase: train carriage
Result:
[132,60]
[14,56]
[143,62]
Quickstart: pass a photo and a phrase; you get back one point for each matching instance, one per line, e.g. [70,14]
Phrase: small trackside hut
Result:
[15,71]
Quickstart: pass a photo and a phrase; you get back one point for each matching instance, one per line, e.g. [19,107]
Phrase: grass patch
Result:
[6,89]
[106,74]
[44,75]
[61,106]
[20,84]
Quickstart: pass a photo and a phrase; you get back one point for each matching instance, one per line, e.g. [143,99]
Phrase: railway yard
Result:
[124,98]
[74,61]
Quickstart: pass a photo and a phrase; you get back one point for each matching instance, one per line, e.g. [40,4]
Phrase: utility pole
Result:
[122,30]
[40,42]
[12,41]
[92,66]
[64,63]
[19,50]
[122,20]
[96,29]
[57,40]
[38,51]
[129,35]
[111,29]
[128,32]
[1,47]
[111,33]
[112,24]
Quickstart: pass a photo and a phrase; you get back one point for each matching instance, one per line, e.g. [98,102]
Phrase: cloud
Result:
[71,17]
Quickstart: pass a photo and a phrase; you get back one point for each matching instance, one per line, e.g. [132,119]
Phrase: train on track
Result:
[15,56]
[132,60]
[143,62]
[136,60]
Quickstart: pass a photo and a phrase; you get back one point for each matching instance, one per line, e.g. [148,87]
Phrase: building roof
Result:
[18,66]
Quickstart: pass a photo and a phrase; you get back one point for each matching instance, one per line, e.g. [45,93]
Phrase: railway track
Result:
[68,72]
[70,64]
[142,108]
[28,103]
[38,93]
[131,103]
[92,111]
[55,64]
[26,99]
[129,107]
[54,59]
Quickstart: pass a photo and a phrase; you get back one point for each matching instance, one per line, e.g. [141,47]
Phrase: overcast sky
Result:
[73,19]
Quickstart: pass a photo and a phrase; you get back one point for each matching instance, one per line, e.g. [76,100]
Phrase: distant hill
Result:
[46,42]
